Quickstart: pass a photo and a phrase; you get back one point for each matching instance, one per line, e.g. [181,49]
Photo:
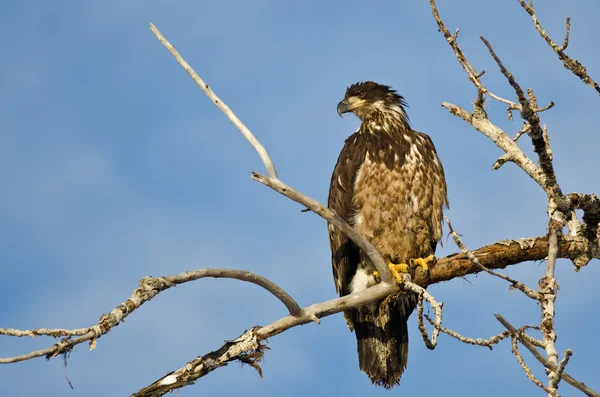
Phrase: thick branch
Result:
[494,256]
[249,343]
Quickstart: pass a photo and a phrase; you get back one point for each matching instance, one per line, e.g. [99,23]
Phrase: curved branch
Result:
[242,275]
[494,256]
[148,288]
[262,152]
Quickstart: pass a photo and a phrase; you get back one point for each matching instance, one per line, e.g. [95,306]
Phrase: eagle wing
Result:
[345,255]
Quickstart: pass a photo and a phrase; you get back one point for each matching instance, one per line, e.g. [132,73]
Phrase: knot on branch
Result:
[151,284]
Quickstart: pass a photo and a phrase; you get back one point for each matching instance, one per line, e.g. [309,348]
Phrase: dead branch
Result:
[249,347]
[437,307]
[570,63]
[558,206]
[514,283]
[325,213]
[548,289]
[272,180]
[494,340]
[494,256]
[526,369]
[148,288]
[569,379]
[513,152]
[262,152]
[56,333]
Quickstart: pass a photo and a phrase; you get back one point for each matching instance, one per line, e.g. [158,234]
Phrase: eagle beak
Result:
[343,107]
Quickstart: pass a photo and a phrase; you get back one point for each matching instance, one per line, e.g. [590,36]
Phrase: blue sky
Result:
[114,166]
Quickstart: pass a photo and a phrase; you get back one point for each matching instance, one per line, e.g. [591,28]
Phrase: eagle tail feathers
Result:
[382,335]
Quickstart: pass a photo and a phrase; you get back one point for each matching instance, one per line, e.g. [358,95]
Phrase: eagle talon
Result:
[423,263]
[377,276]
[397,270]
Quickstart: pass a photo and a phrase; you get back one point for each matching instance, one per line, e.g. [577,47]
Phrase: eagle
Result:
[389,185]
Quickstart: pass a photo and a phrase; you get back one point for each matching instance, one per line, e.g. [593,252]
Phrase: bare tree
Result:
[566,237]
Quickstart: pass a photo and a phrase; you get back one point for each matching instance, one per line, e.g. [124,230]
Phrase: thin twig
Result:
[562,365]
[514,283]
[437,307]
[475,77]
[569,379]
[262,152]
[526,369]
[524,130]
[490,342]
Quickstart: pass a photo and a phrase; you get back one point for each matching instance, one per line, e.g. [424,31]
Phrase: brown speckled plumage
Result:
[389,184]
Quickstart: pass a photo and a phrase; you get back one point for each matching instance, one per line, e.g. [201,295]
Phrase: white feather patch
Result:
[360,281]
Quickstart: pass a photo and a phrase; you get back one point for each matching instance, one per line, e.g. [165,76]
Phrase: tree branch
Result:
[262,152]
[513,152]
[569,379]
[325,213]
[526,369]
[494,340]
[272,181]
[571,64]
[540,145]
[56,333]
[514,283]
[148,288]
[548,288]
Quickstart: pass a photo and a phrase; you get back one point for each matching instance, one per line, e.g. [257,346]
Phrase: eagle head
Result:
[368,98]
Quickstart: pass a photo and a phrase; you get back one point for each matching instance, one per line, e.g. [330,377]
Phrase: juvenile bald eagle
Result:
[389,184]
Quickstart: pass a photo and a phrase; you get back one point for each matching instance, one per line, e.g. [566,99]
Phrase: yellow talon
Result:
[398,269]
[424,263]
[377,276]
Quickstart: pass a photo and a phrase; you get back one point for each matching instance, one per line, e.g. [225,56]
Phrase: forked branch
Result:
[571,64]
